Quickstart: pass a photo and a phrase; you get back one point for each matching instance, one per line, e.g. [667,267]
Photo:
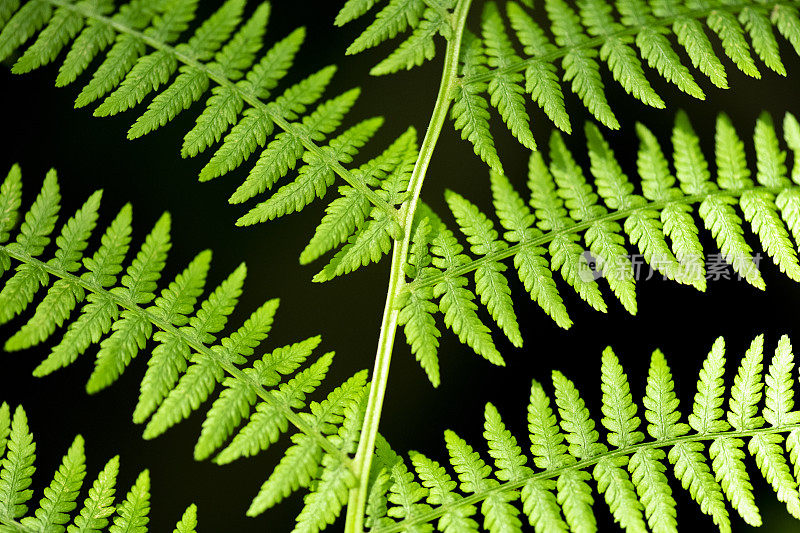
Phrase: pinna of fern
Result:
[145,54]
[630,471]
[580,36]
[658,223]
[56,512]
[260,394]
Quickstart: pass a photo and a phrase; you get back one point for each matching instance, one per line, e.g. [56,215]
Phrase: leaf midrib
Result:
[599,40]
[432,280]
[223,81]
[190,340]
[429,516]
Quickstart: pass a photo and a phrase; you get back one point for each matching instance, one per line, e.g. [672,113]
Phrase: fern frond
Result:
[604,211]
[59,501]
[580,37]
[154,48]
[630,470]
[262,392]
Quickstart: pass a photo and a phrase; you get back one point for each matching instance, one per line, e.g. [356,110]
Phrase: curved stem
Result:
[380,376]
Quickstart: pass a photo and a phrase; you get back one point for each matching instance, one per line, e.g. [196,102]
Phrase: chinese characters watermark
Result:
[637,267]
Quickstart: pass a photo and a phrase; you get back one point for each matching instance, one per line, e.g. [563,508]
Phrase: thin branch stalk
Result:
[380,376]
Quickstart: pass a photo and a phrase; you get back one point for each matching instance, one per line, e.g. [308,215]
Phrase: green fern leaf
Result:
[731,35]
[22,25]
[346,214]
[767,449]
[391,20]
[490,282]
[155,69]
[96,316]
[301,462]
[188,522]
[329,494]
[690,35]
[238,397]
[579,64]
[417,310]
[225,104]
[94,38]
[565,254]
[268,423]
[656,49]
[132,513]
[405,493]
[61,28]
[602,238]
[64,295]
[152,70]
[33,237]
[314,177]
[132,332]
[353,9]
[657,183]
[574,494]
[499,514]
[619,411]
[59,499]
[5,426]
[503,448]
[203,374]
[252,131]
[417,48]
[758,25]
[541,81]
[17,468]
[505,89]
[440,492]
[727,461]
[707,414]
[647,472]
[457,302]
[533,271]
[717,213]
[371,242]
[282,154]
[617,52]
[693,472]
[470,110]
[540,504]
[575,420]
[191,83]
[99,504]
[616,486]
[10,201]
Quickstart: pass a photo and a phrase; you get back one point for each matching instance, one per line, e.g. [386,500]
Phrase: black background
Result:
[43,130]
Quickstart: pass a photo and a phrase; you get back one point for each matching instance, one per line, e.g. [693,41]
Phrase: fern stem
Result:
[595,42]
[197,345]
[511,251]
[221,80]
[441,510]
[383,357]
